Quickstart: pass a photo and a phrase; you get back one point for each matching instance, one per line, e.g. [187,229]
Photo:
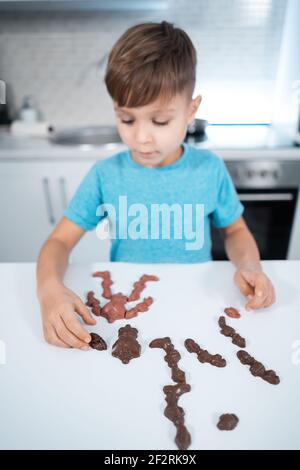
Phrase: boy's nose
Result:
[143,135]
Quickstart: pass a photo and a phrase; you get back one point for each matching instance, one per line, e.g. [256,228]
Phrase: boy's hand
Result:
[256,286]
[59,307]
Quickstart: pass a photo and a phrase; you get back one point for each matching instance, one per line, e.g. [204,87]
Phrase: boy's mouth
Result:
[147,154]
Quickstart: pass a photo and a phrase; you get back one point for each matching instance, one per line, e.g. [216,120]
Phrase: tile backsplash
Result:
[55,55]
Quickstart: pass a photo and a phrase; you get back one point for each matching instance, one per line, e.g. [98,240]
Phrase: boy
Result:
[150,77]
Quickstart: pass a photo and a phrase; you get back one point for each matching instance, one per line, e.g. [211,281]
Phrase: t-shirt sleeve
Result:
[82,209]
[228,206]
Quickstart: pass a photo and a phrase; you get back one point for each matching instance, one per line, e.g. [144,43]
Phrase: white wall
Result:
[51,55]
[287,95]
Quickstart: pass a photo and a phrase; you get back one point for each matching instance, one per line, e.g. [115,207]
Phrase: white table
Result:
[52,398]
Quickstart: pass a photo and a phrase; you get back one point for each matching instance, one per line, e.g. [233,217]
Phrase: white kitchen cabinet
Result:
[68,176]
[25,208]
[33,196]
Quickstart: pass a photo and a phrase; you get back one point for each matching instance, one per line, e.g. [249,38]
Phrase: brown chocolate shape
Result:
[173,392]
[127,346]
[227,422]
[172,357]
[203,355]
[97,342]
[177,375]
[232,312]
[183,437]
[230,332]
[115,309]
[140,285]
[176,414]
[257,369]
[162,343]
[106,283]
[94,303]
[140,307]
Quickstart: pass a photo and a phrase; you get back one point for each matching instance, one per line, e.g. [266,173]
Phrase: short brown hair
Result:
[150,60]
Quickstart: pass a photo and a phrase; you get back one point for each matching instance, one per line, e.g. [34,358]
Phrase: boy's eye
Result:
[154,122]
[161,123]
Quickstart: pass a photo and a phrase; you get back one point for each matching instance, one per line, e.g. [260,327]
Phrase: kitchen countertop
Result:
[232,142]
[54,398]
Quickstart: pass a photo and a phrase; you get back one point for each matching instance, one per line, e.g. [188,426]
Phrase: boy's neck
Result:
[172,157]
[167,161]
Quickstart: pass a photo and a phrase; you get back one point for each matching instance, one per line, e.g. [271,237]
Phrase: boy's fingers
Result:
[250,277]
[75,327]
[271,298]
[84,312]
[244,287]
[52,338]
[273,295]
[66,336]
[260,295]
[242,284]
[268,300]
[262,286]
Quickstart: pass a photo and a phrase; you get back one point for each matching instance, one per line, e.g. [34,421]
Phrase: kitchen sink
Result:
[86,136]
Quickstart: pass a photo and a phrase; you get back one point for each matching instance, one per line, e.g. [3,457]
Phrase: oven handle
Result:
[263,197]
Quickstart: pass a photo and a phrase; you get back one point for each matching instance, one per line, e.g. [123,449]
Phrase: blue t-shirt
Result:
[157,215]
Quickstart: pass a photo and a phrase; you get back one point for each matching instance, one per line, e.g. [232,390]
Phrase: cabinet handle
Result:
[48,200]
[63,192]
[268,197]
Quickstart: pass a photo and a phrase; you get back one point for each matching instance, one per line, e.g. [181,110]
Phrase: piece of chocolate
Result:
[173,392]
[227,422]
[177,375]
[203,355]
[97,342]
[115,309]
[162,343]
[140,307]
[140,285]
[106,283]
[271,377]
[127,346]
[230,332]
[175,413]
[94,303]
[257,369]
[183,437]
[244,357]
[172,357]
[232,312]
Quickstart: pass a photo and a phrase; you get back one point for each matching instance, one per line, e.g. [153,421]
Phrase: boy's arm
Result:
[54,255]
[242,250]
[59,304]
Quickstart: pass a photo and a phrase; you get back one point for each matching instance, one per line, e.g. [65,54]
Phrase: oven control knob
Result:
[263,173]
[234,174]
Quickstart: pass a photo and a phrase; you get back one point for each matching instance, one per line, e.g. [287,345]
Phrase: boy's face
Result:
[154,133]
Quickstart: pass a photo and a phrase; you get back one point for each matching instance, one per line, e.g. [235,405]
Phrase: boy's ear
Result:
[194,106]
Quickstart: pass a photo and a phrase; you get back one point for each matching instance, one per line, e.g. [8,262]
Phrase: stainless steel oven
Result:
[269,190]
